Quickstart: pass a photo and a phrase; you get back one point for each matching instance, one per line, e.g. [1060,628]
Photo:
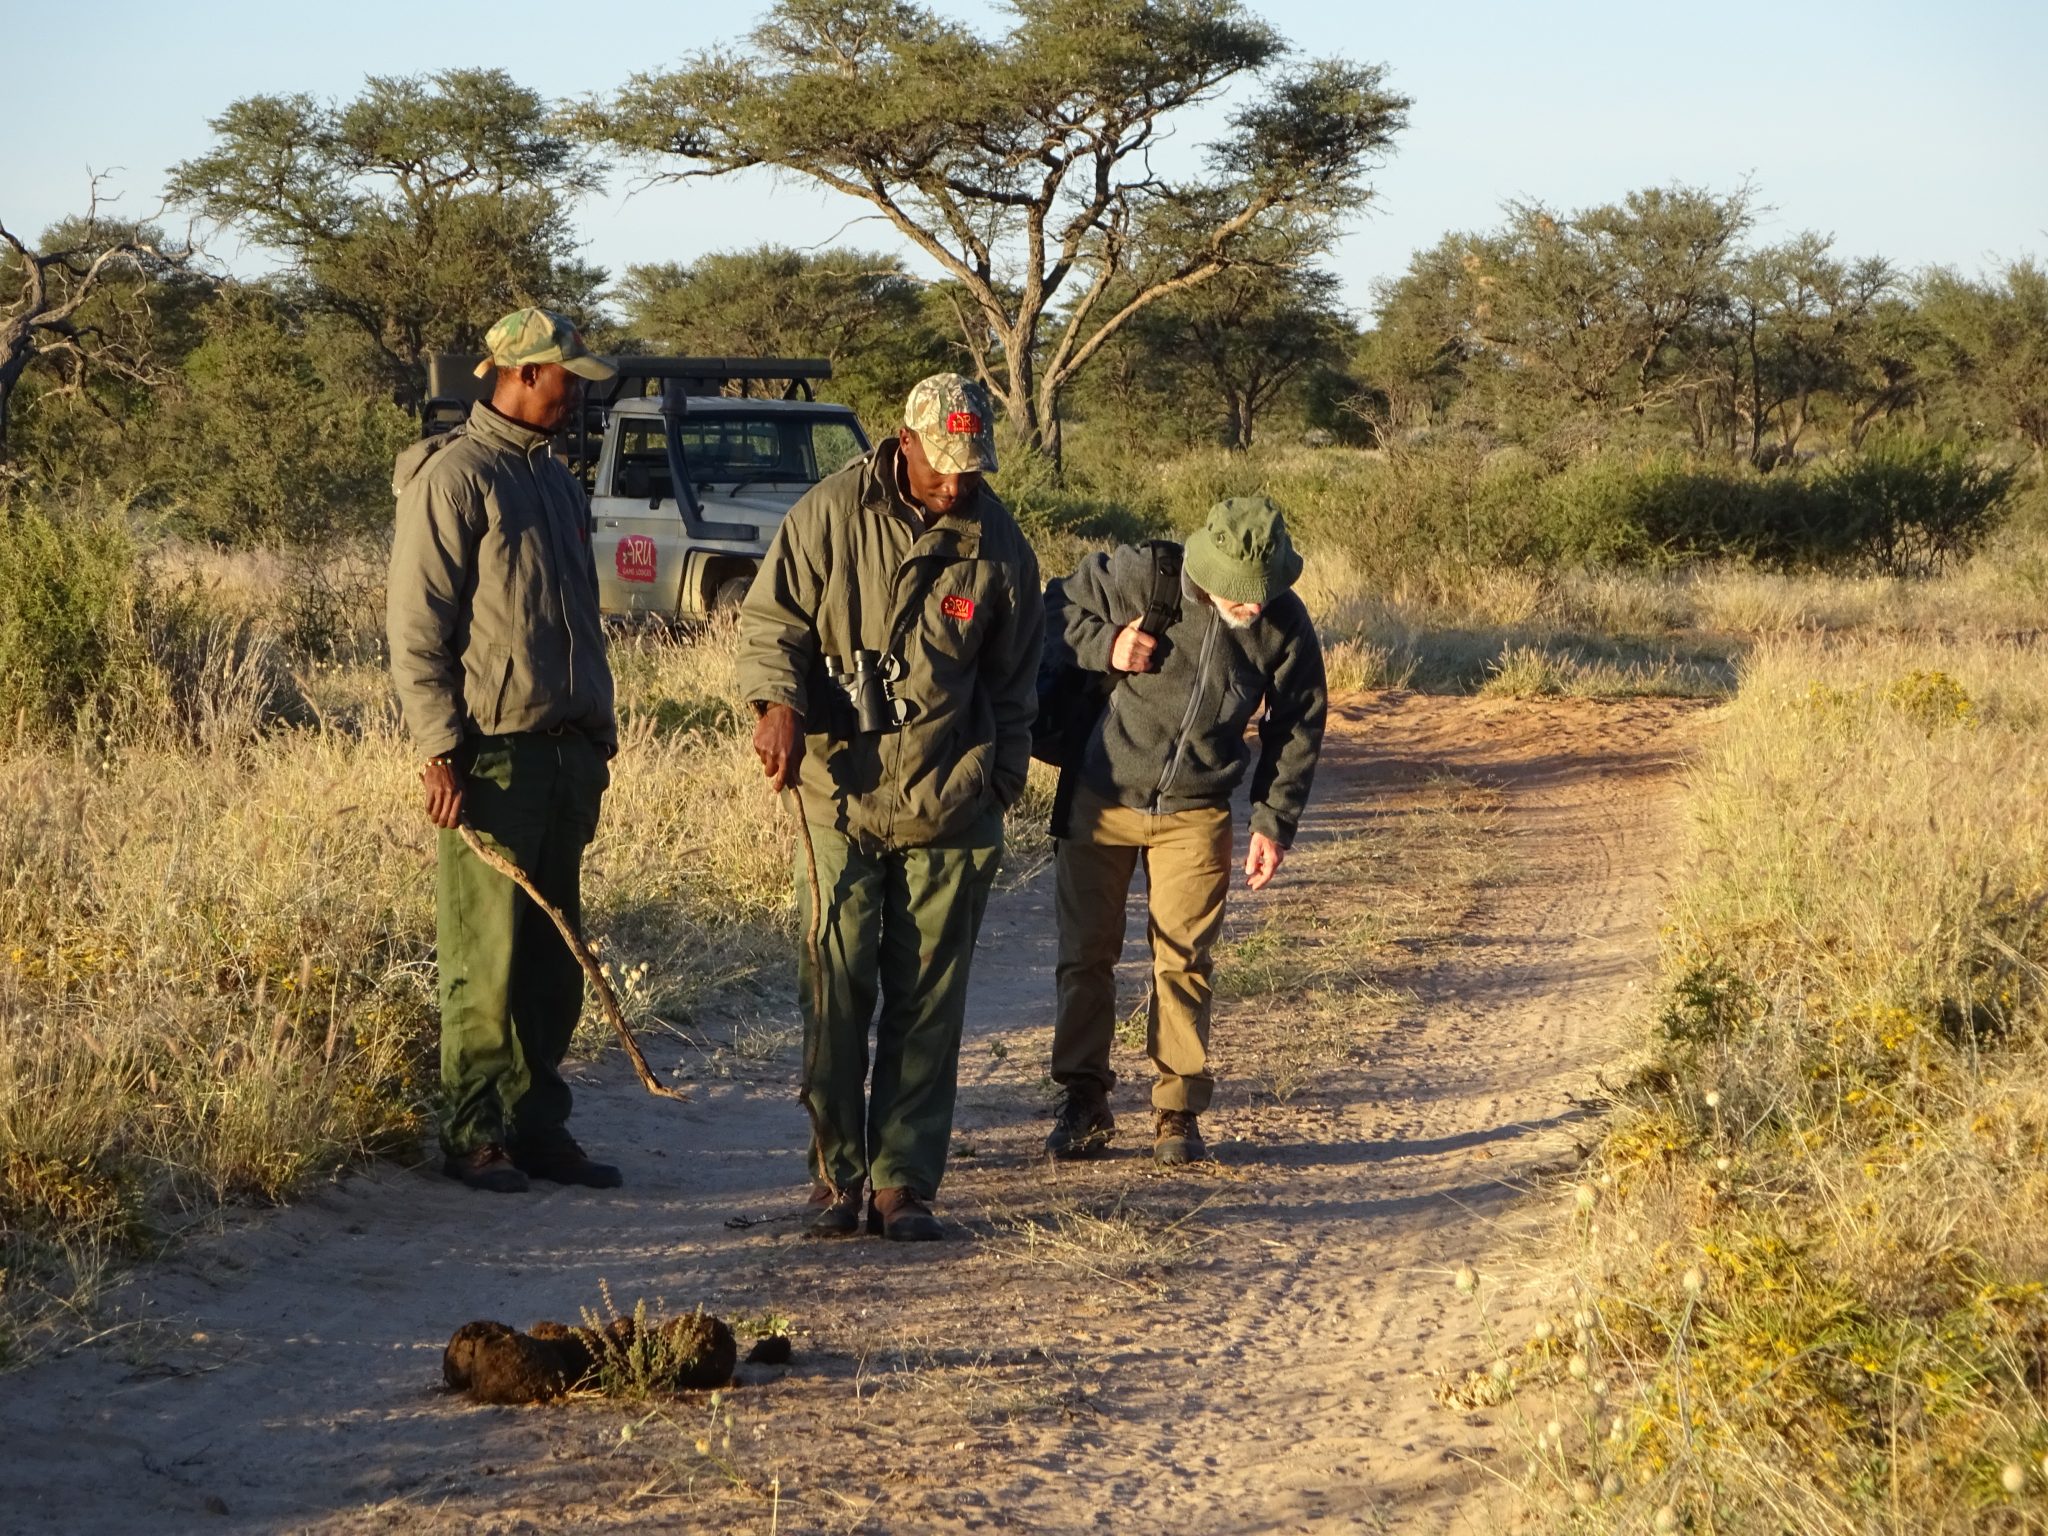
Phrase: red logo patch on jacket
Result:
[958,607]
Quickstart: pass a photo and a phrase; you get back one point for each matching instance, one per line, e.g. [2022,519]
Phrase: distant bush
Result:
[66,586]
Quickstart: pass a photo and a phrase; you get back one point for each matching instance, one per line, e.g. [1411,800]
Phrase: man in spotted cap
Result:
[499,662]
[889,647]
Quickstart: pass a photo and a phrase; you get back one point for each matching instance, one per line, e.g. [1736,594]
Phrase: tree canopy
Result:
[422,210]
[859,309]
[1026,166]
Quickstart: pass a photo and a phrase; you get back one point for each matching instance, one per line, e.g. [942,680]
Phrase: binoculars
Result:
[870,686]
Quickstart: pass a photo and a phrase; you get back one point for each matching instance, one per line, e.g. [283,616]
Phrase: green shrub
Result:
[67,584]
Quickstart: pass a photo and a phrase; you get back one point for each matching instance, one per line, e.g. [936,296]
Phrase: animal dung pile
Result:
[495,1363]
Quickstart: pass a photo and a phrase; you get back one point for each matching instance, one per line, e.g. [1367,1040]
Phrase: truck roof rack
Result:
[452,376]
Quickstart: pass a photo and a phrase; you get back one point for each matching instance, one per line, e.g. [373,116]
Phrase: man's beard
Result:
[1232,620]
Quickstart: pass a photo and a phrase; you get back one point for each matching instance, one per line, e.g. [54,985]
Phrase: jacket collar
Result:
[959,531]
[501,431]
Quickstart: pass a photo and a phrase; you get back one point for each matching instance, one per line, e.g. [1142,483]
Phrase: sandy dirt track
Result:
[1264,1361]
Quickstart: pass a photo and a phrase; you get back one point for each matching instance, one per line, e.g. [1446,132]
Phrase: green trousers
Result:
[899,927]
[510,990]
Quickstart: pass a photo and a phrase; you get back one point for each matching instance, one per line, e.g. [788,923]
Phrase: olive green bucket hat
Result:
[540,336]
[1242,553]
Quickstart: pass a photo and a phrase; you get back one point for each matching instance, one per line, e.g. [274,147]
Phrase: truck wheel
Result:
[727,596]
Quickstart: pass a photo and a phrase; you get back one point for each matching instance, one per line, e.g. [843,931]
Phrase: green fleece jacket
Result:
[491,609]
[1174,739]
[856,567]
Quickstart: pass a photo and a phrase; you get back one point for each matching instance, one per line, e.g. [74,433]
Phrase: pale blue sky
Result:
[1917,134]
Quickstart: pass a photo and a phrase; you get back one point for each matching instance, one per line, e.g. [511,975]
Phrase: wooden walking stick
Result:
[606,998]
[795,806]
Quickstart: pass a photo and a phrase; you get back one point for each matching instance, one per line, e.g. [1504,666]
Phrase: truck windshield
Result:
[785,448]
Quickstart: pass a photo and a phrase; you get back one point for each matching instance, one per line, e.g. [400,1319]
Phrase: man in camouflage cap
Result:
[889,646]
[499,661]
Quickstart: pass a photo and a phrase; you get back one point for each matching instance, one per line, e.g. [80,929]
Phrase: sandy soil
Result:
[1249,1346]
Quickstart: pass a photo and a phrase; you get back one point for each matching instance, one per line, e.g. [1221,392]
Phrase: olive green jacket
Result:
[855,567]
[491,609]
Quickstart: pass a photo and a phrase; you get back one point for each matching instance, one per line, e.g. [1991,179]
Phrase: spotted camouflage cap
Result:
[950,415]
[540,336]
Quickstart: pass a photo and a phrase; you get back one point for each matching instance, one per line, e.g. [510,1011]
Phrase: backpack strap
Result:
[1162,603]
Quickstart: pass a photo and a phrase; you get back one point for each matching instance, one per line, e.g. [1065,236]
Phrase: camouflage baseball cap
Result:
[540,336]
[950,415]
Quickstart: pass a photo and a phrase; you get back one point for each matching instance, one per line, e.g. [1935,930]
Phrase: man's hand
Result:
[443,781]
[1133,650]
[779,743]
[1262,861]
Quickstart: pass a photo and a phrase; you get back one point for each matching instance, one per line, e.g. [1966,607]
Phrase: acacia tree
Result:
[1024,165]
[1237,342]
[77,307]
[421,210]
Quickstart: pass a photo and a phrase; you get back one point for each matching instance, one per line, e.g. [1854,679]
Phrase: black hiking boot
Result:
[903,1217]
[489,1167]
[554,1156]
[1177,1139]
[1084,1125]
[838,1215]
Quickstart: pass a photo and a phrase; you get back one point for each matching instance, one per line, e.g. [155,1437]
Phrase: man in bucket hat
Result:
[889,647]
[499,661]
[1155,781]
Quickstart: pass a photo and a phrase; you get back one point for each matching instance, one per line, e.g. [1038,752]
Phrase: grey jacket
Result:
[1174,739]
[491,608]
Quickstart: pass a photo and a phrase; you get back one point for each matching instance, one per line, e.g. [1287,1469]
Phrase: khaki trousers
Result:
[1187,857]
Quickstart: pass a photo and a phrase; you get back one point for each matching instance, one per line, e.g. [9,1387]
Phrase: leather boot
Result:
[489,1167]
[903,1216]
[837,1216]
[1177,1139]
[1084,1126]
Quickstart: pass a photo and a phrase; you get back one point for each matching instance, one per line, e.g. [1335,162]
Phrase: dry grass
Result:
[1811,1268]
[217,979]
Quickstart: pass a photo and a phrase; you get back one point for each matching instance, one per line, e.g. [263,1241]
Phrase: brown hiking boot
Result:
[1177,1139]
[1084,1125]
[903,1216]
[838,1215]
[488,1167]
[554,1156]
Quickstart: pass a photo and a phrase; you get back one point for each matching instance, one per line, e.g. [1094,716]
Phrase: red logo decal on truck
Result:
[636,558]
[958,607]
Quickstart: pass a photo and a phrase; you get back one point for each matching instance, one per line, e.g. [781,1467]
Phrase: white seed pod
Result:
[1555,1431]
[1502,1370]
[1584,1320]
[1610,1486]
[1545,1331]
[1723,1163]
[1579,1368]
[1694,1281]
[2014,1477]
[1597,1386]
[1666,1519]
[1614,1430]
[1713,1098]
[1466,1280]
[1607,1181]
[1586,1197]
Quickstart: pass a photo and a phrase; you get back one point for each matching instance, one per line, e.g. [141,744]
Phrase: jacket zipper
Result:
[1187,720]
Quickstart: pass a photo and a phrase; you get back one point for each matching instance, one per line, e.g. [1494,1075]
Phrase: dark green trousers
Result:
[510,990]
[899,928]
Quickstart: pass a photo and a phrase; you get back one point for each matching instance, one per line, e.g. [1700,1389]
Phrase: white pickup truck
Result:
[688,481]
